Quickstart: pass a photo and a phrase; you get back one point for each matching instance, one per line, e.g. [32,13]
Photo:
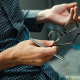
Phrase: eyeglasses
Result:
[66,30]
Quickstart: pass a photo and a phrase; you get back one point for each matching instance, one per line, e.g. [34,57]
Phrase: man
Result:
[20,58]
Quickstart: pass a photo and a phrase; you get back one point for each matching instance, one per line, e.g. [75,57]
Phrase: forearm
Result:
[6,59]
[40,15]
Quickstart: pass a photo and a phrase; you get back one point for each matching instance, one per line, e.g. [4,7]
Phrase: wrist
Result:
[13,56]
[6,59]
[42,16]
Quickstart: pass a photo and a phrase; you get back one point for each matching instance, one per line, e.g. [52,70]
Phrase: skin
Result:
[59,14]
[26,52]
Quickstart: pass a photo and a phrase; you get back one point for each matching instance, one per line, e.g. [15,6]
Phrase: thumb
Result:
[46,43]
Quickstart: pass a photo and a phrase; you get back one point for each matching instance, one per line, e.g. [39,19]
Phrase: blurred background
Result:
[71,64]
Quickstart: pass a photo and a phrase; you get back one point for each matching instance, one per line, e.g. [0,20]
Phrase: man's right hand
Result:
[28,53]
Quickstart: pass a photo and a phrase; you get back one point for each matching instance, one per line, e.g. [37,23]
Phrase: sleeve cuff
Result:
[30,21]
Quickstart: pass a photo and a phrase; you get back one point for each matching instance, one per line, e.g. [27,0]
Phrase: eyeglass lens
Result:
[68,29]
[70,26]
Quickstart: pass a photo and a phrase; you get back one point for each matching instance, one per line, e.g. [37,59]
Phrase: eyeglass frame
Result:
[64,32]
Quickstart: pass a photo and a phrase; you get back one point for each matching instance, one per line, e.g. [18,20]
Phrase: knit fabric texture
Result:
[15,25]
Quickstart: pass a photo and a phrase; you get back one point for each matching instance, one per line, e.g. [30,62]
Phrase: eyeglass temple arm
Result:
[62,44]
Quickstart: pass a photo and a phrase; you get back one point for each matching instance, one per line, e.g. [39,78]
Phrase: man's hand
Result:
[59,14]
[28,53]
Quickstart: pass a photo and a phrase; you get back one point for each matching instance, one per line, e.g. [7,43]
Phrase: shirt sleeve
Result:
[30,20]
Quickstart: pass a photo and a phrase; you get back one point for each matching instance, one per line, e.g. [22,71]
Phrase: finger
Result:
[48,50]
[76,13]
[71,13]
[46,42]
[68,6]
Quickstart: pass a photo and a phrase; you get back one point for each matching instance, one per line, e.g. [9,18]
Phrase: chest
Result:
[11,18]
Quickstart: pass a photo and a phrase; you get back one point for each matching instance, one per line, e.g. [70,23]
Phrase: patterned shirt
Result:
[15,25]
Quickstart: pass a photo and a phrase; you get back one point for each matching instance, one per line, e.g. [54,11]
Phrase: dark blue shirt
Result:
[15,25]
